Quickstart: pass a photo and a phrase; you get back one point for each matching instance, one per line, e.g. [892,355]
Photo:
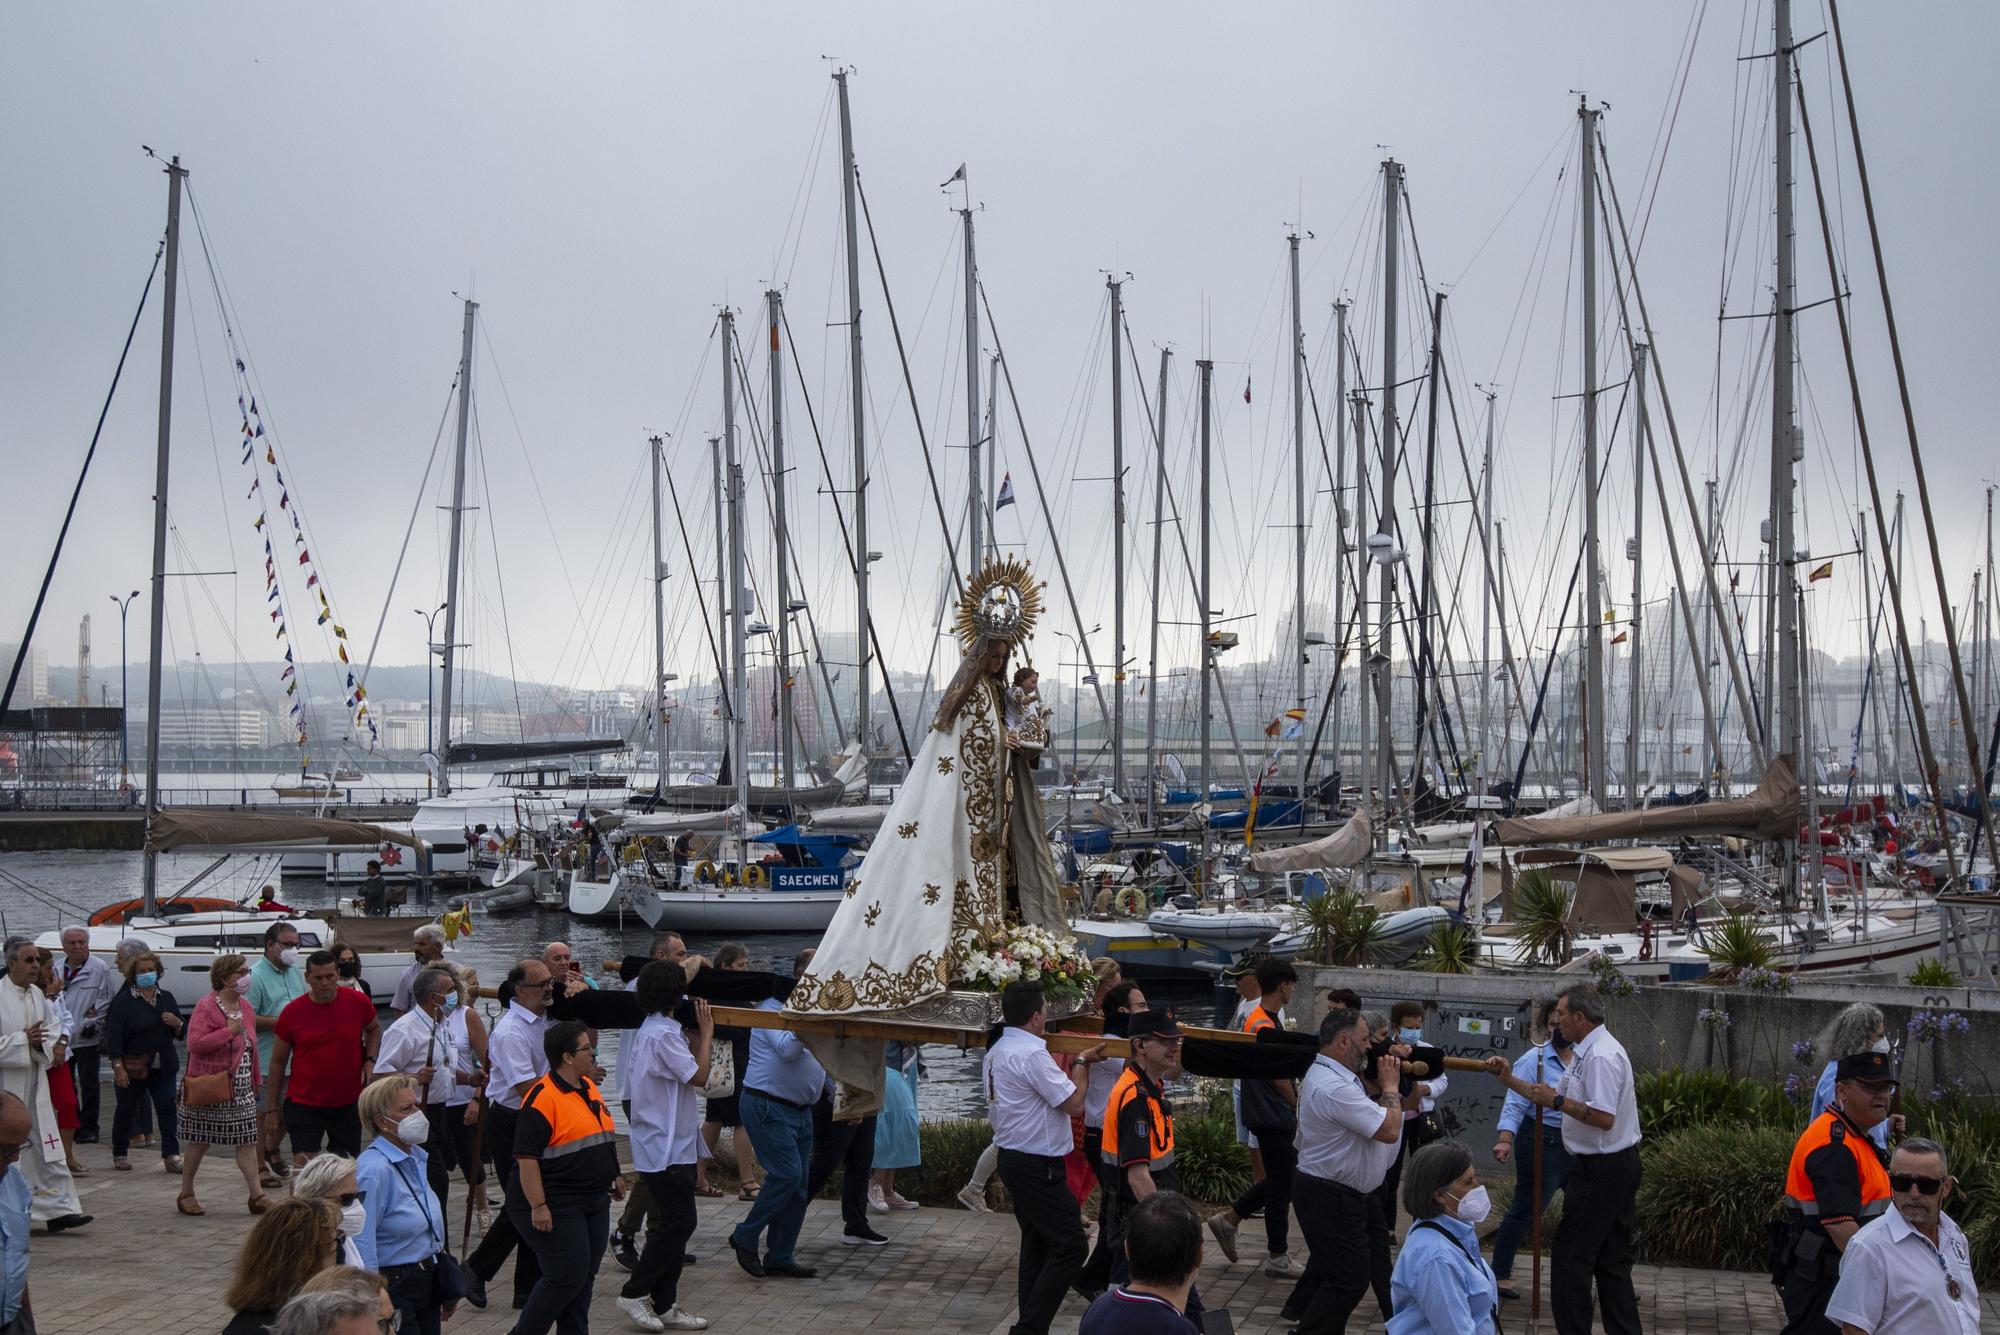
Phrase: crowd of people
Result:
[347,1132]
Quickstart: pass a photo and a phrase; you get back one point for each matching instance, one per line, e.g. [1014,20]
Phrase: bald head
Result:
[15,1128]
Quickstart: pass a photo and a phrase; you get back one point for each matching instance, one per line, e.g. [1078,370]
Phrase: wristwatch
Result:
[1556,1104]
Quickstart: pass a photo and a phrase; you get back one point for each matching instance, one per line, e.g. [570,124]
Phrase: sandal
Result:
[187,1204]
[713,1193]
[171,1163]
[78,1170]
[269,1180]
[748,1192]
[259,1203]
[121,1163]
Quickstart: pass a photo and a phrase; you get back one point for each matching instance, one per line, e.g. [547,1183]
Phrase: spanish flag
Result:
[1821,572]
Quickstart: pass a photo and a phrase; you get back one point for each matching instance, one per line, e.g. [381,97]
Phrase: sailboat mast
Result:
[451,646]
[1385,525]
[1634,663]
[1786,445]
[1716,764]
[1117,539]
[655,447]
[1486,609]
[1153,651]
[1594,714]
[1299,513]
[975,510]
[157,631]
[1207,374]
[738,667]
[1340,516]
[857,405]
[775,301]
[722,600]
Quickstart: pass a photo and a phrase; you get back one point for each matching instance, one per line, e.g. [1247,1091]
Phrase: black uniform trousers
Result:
[504,1237]
[850,1147]
[1052,1238]
[1593,1243]
[1111,1232]
[1096,1276]
[657,1277]
[1336,1223]
[1273,1195]
[1810,1277]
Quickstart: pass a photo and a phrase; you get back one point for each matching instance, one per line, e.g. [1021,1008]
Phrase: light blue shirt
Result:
[780,1065]
[1436,1289]
[1823,1099]
[16,1201]
[1517,1111]
[271,990]
[405,1223]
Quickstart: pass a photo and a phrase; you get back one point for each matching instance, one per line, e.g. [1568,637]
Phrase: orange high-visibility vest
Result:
[1826,1148]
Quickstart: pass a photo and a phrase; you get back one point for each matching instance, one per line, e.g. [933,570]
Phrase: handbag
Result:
[721,1071]
[449,1285]
[206,1091]
[136,1065]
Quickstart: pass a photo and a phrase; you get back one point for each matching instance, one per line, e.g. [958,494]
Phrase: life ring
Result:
[754,876]
[1131,902]
[392,856]
[724,876]
[704,872]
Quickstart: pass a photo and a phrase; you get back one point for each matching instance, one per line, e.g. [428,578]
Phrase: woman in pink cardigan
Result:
[222,1041]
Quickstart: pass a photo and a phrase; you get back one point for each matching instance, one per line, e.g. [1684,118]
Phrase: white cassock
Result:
[24,1073]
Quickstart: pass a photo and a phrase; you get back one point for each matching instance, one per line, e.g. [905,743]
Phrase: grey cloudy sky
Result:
[603,177]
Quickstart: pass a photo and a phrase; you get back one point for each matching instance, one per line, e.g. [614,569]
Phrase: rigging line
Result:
[701,601]
[41,596]
[1656,163]
[499,578]
[1562,137]
[807,174]
[416,505]
[840,516]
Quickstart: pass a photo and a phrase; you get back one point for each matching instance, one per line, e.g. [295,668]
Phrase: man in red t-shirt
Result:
[329,1036]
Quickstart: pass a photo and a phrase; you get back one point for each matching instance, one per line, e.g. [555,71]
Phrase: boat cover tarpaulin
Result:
[638,824]
[1458,832]
[183,831]
[1345,847]
[1771,812]
[503,753]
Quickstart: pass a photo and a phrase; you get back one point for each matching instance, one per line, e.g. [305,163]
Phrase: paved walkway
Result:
[141,1266]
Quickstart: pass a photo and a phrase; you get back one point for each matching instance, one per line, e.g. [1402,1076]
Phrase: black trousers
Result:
[1274,1194]
[504,1238]
[850,1147]
[1809,1283]
[1111,1232]
[1052,1238]
[568,1255]
[1335,1222]
[657,1277]
[438,1161]
[83,1071]
[156,1092]
[1096,1276]
[412,1290]
[1593,1243]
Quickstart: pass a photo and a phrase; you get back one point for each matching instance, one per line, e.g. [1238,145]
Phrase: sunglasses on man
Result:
[1923,1186]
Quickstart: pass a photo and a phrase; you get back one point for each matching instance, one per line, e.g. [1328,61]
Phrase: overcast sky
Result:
[604,177]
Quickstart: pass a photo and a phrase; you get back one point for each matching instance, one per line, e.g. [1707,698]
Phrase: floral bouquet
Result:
[1034,954]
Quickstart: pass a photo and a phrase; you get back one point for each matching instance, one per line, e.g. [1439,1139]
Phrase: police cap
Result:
[1868,1068]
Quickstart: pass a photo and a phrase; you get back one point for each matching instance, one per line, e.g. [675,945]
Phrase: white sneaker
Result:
[974,1199]
[897,1202]
[876,1205]
[675,1319]
[1283,1267]
[640,1313]
[1225,1233]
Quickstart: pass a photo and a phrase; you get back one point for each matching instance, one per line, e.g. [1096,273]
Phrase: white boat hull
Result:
[598,899]
[190,943]
[1233,932]
[708,908]
[1887,944]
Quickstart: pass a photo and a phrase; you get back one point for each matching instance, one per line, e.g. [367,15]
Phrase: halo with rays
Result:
[1002,602]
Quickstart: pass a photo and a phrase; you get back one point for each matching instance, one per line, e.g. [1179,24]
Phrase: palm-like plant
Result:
[1541,917]
[1452,947]
[1342,928]
[1736,945]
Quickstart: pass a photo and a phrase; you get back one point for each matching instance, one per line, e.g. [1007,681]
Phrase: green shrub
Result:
[1540,910]
[1706,1193]
[1670,1101]
[1214,1166]
[1934,973]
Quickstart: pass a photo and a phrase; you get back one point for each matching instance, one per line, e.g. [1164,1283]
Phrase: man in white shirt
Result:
[420,1045]
[1030,1101]
[1600,1129]
[88,986]
[514,1061]
[1347,1139]
[427,944]
[1909,1272]
[662,1074]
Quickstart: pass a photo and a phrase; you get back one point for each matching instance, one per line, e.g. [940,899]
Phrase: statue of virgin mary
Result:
[964,852]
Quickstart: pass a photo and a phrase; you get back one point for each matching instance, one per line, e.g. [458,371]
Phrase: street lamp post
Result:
[430,664]
[124,741]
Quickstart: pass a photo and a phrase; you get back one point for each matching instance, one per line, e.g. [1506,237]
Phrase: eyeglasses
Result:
[1923,1186]
[348,1198]
[9,1153]
[584,1049]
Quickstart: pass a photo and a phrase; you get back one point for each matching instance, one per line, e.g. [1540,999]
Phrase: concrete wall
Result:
[1473,1015]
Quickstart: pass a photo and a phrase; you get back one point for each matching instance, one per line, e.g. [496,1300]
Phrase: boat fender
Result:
[704,872]
[1645,938]
[1131,901]
[755,877]
[724,876]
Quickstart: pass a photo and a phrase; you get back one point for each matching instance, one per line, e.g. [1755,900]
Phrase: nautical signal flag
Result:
[1006,492]
[1821,572]
[1246,389]
[1620,638]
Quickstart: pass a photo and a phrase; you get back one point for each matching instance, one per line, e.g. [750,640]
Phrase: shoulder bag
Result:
[721,1071]
[448,1282]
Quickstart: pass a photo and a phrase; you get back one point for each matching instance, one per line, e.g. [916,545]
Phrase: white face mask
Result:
[289,957]
[1474,1206]
[353,1219]
[414,1129]
[1880,1045]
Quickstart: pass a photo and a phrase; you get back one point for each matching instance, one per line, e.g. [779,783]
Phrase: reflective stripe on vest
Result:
[577,1118]
[1258,1020]
[1800,1194]
[1161,1151]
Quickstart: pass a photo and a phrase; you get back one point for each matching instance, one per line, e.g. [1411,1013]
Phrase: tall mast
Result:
[1717,764]
[975,510]
[1594,714]
[157,632]
[1153,651]
[655,447]
[722,601]
[1506,645]
[1634,663]
[1207,372]
[451,645]
[1117,539]
[739,685]
[1896,715]
[1339,530]
[857,403]
[1362,652]
[1786,444]
[1486,610]
[1299,513]
[1385,526]
[775,301]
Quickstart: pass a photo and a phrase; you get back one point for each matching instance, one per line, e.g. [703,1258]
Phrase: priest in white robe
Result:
[29,1033]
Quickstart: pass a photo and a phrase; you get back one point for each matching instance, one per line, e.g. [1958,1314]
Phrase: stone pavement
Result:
[142,1266]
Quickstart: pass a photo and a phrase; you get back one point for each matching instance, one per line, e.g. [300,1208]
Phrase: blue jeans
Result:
[783,1138]
[1555,1171]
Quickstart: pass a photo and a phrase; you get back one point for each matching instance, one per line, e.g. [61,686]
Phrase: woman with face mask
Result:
[349,964]
[1440,1285]
[403,1232]
[329,1179]
[139,1033]
[222,1061]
